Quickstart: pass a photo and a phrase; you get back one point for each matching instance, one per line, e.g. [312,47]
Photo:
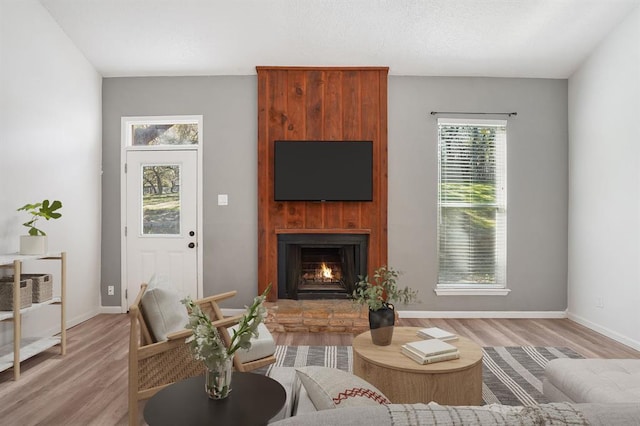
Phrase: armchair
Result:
[154,364]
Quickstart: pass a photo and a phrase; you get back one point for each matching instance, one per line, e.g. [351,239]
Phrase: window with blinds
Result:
[472,203]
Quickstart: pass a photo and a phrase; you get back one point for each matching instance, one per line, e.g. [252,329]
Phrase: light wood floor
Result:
[88,386]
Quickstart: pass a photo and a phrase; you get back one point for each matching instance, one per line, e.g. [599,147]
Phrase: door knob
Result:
[192,245]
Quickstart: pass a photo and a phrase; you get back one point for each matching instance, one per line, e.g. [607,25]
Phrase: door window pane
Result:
[161,199]
[164,134]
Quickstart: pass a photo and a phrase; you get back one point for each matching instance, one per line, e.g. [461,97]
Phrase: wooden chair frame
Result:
[155,365]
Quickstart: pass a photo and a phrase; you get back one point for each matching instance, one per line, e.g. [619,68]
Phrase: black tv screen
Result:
[323,170]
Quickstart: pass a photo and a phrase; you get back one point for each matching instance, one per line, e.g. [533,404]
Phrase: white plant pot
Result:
[33,244]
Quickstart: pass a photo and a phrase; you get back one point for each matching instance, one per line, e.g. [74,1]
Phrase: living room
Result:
[569,252]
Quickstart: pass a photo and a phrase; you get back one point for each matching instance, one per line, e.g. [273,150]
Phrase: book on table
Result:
[430,347]
[436,333]
[429,351]
[420,359]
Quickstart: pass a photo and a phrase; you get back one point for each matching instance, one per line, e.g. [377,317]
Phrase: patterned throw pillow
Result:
[333,388]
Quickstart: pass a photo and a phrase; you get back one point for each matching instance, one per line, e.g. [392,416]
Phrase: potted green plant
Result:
[378,295]
[36,241]
[208,346]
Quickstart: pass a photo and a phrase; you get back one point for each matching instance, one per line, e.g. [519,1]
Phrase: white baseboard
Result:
[111,310]
[483,314]
[605,331]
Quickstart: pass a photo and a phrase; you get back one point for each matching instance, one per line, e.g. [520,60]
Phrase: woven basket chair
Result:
[155,365]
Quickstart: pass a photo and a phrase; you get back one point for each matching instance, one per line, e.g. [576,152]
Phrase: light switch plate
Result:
[223,199]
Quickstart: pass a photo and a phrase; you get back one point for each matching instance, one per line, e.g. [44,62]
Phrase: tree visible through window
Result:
[472,203]
[165,134]
[161,199]
[160,183]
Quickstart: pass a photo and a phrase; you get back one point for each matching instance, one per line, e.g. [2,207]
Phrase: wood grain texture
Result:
[404,381]
[88,386]
[320,103]
[387,356]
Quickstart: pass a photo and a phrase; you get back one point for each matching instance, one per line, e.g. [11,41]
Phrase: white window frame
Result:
[474,289]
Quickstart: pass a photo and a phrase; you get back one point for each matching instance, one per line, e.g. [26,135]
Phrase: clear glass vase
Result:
[217,382]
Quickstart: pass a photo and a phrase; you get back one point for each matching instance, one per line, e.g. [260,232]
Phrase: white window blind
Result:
[472,204]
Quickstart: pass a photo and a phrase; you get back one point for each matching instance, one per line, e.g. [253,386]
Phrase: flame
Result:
[326,271]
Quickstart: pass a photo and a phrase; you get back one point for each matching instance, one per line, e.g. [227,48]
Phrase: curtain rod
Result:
[510,114]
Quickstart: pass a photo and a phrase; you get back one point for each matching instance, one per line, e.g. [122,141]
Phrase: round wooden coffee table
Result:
[404,381]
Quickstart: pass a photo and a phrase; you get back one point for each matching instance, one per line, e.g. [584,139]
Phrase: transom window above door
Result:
[163,131]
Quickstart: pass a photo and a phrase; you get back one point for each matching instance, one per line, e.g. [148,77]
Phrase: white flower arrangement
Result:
[206,343]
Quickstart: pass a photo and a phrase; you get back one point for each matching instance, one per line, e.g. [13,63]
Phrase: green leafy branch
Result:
[45,210]
[248,325]
[206,343]
[382,290]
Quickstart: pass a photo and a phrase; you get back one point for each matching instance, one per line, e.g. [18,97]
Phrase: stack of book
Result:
[430,351]
[436,333]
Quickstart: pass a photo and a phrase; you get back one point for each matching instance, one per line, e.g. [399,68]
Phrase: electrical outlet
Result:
[599,302]
[111,290]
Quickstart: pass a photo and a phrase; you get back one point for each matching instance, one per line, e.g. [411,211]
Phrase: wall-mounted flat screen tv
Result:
[323,170]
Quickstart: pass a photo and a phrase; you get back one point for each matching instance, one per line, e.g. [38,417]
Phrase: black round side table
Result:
[254,400]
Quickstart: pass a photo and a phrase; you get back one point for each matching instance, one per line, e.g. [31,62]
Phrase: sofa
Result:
[592,380]
[326,396]
[429,414]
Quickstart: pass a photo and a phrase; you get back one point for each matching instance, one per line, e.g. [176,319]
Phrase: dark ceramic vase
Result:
[381,323]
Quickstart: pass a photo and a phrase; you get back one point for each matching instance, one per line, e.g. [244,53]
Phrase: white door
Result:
[161,219]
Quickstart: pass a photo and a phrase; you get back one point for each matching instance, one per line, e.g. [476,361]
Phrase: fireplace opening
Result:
[320,269]
[322,266]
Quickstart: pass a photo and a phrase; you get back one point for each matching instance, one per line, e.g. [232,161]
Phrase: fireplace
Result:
[320,266]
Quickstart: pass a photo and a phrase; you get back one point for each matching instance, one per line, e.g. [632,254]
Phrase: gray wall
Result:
[537,185]
[537,179]
[229,109]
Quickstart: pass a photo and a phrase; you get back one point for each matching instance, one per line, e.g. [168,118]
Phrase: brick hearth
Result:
[336,316]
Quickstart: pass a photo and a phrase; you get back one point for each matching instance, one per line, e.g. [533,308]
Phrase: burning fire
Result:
[326,271]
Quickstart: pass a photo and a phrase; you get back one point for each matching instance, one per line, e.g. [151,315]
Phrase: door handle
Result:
[192,245]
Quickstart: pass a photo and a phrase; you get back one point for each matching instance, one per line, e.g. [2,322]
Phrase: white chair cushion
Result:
[162,309]
[333,388]
[261,346]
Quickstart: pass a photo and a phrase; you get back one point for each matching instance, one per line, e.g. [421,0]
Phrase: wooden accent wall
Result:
[320,103]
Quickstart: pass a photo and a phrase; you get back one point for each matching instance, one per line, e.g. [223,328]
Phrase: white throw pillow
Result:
[162,308]
[333,388]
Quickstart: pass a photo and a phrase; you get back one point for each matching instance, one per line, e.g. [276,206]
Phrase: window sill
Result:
[472,291]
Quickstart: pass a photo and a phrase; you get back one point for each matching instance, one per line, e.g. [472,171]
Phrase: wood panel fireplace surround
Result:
[295,238]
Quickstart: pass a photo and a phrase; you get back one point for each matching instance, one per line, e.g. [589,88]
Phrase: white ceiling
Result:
[498,38]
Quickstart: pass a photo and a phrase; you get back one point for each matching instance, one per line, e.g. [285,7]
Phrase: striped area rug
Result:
[511,375]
